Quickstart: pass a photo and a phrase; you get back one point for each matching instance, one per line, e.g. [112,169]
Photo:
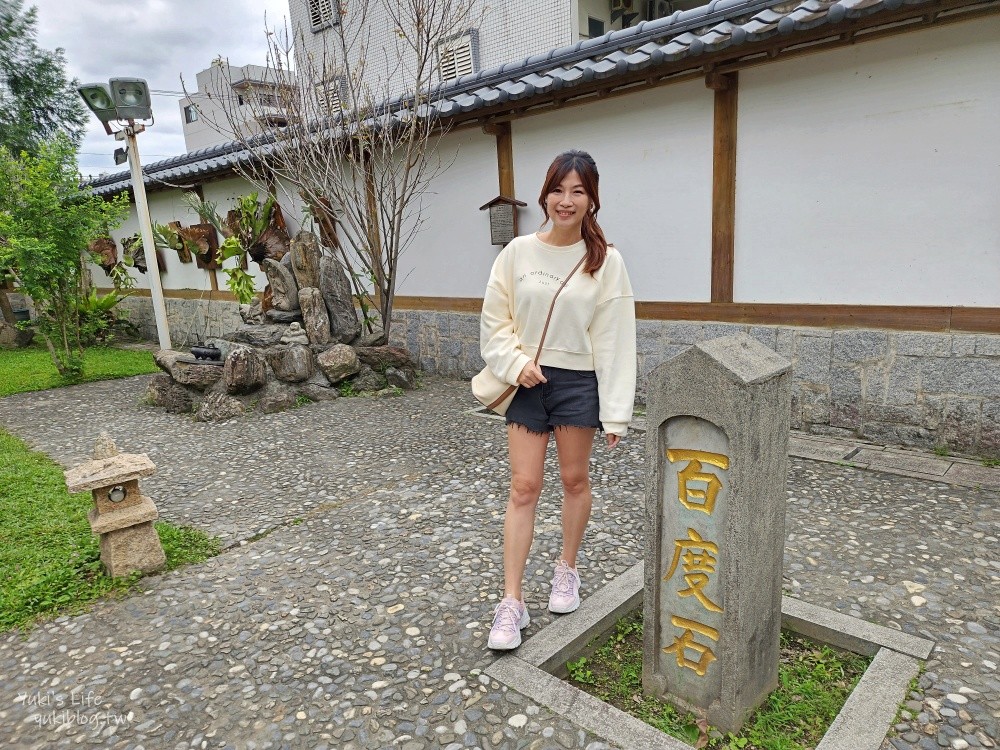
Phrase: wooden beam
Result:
[975,319]
[894,317]
[898,317]
[505,158]
[723,184]
[441,304]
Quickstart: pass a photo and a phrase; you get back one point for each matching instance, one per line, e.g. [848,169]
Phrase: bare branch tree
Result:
[353,129]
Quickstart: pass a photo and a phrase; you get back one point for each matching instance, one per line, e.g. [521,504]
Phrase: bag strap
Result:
[503,396]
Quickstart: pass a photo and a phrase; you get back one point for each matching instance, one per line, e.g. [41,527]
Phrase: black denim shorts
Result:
[568,399]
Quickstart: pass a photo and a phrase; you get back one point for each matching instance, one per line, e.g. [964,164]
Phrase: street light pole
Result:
[146,230]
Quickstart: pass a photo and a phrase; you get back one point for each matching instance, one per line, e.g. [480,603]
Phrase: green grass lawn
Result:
[31,368]
[814,681]
[49,559]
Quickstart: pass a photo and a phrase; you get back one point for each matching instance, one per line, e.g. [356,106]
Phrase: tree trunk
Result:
[6,310]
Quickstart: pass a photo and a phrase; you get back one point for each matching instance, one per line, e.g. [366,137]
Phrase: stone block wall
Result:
[896,387]
[188,319]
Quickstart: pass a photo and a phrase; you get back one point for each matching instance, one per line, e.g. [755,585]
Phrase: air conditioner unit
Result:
[658,9]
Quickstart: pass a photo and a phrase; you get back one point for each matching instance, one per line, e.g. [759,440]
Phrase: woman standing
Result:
[584,379]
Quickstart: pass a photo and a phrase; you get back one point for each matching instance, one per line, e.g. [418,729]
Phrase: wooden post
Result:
[726,87]
[505,156]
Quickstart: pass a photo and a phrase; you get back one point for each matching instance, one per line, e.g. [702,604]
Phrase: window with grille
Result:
[457,57]
[322,13]
[267,99]
[190,113]
[331,95]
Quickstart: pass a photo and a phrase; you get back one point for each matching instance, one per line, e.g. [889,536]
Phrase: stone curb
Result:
[849,633]
[952,470]
[583,709]
[862,723]
[871,707]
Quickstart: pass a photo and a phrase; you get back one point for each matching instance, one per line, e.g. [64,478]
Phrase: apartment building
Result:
[498,32]
[250,94]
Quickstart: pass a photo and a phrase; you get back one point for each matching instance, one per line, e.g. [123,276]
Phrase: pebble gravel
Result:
[363,558]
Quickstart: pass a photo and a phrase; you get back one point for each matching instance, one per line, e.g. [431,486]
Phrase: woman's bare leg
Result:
[574,445]
[527,465]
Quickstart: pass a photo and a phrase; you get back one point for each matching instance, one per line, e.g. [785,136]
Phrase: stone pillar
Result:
[716,455]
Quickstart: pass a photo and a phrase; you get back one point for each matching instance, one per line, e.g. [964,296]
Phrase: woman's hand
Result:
[613,440]
[531,375]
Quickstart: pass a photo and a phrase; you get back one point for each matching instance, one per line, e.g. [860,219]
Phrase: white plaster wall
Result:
[871,174]
[164,206]
[654,153]
[451,255]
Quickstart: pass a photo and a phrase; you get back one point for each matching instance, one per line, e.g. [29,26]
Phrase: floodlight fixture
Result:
[131,98]
[98,98]
[126,100]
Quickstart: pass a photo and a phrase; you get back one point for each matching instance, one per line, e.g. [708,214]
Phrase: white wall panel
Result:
[654,153]
[871,174]
[451,255]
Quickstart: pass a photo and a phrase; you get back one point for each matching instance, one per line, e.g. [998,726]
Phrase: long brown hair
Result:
[583,164]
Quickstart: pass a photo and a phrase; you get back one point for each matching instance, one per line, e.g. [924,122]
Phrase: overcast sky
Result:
[159,40]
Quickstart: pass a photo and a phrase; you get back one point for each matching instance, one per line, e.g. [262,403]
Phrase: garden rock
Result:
[377,337]
[166,359]
[314,315]
[284,289]
[245,370]
[404,379]
[252,313]
[291,363]
[258,336]
[14,338]
[219,406]
[281,316]
[368,380]
[338,362]
[186,373]
[306,255]
[201,377]
[336,289]
[276,397]
[315,392]
[164,392]
[382,357]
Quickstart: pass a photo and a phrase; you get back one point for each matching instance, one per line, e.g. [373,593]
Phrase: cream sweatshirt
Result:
[592,328]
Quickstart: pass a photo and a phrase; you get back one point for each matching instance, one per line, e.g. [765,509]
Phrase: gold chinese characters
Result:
[697,557]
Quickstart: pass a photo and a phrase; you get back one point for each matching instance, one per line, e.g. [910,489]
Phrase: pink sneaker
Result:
[509,619]
[565,596]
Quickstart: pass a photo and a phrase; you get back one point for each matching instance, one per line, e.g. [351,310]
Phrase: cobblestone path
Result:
[351,606]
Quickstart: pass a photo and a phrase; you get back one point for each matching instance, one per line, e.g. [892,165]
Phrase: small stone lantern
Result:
[121,514]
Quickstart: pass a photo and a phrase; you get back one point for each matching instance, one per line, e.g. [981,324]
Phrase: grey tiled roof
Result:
[711,28]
